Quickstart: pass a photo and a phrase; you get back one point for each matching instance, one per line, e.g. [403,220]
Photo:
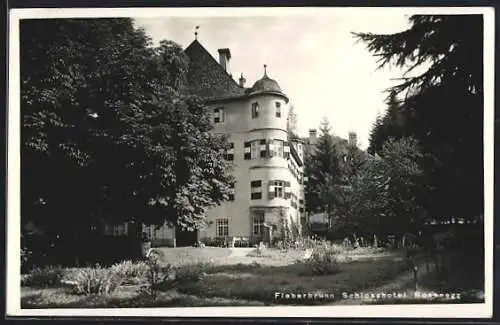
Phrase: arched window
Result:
[255,110]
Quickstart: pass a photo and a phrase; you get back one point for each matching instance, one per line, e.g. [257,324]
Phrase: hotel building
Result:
[268,194]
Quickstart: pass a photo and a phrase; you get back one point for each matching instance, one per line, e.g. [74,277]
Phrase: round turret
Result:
[266,85]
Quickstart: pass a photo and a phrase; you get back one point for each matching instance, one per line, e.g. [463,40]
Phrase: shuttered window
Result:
[229,154]
[255,149]
[263,148]
[276,148]
[219,115]
[279,189]
[246,150]
[256,190]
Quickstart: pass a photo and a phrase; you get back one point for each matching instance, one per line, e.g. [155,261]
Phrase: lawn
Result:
[461,277]
[231,279]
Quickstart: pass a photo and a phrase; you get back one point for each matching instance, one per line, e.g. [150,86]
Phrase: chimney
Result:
[312,136]
[224,57]
[242,81]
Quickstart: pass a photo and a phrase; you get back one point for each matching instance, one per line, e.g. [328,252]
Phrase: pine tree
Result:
[323,171]
[442,107]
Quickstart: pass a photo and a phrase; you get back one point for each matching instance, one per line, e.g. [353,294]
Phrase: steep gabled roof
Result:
[206,78]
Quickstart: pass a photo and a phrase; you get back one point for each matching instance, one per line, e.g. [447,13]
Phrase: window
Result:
[258,223]
[263,149]
[246,150]
[229,154]
[222,227]
[278,189]
[255,149]
[256,190]
[255,110]
[218,115]
[286,149]
[277,148]
[278,109]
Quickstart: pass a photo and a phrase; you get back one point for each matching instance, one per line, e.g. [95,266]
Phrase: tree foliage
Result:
[442,107]
[108,131]
[383,192]
[324,173]
[292,122]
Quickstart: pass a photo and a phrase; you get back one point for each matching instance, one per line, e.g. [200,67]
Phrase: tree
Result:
[391,125]
[384,191]
[109,132]
[354,159]
[402,166]
[323,172]
[447,127]
[368,200]
[292,122]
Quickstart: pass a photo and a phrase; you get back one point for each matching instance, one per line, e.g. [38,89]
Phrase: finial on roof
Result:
[242,80]
[196,32]
[265,70]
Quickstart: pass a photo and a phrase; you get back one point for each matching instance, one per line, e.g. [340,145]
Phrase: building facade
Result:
[268,195]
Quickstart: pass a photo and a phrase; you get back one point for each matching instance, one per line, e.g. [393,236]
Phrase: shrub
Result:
[98,281]
[42,277]
[192,272]
[158,277]
[214,241]
[131,272]
[323,261]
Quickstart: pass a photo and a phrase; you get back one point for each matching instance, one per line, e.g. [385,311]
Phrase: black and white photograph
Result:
[257,162]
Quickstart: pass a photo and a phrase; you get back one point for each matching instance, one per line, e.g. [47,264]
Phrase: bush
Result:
[131,272]
[323,261]
[192,272]
[43,277]
[158,277]
[214,241]
[98,281]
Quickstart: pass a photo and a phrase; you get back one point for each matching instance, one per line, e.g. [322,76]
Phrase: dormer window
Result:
[255,110]
[278,109]
[219,115]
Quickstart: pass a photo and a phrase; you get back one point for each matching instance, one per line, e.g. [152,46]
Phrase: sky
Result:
[313,56]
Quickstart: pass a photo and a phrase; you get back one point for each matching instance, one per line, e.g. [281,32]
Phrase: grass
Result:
[263,283]
[223,283]
[124,297]
[462,274]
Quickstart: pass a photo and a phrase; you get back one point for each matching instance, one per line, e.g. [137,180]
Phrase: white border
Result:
[13,204]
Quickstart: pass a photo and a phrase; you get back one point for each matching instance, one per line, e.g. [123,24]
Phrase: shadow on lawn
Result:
[268,282]
[231,285]
[165,299]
